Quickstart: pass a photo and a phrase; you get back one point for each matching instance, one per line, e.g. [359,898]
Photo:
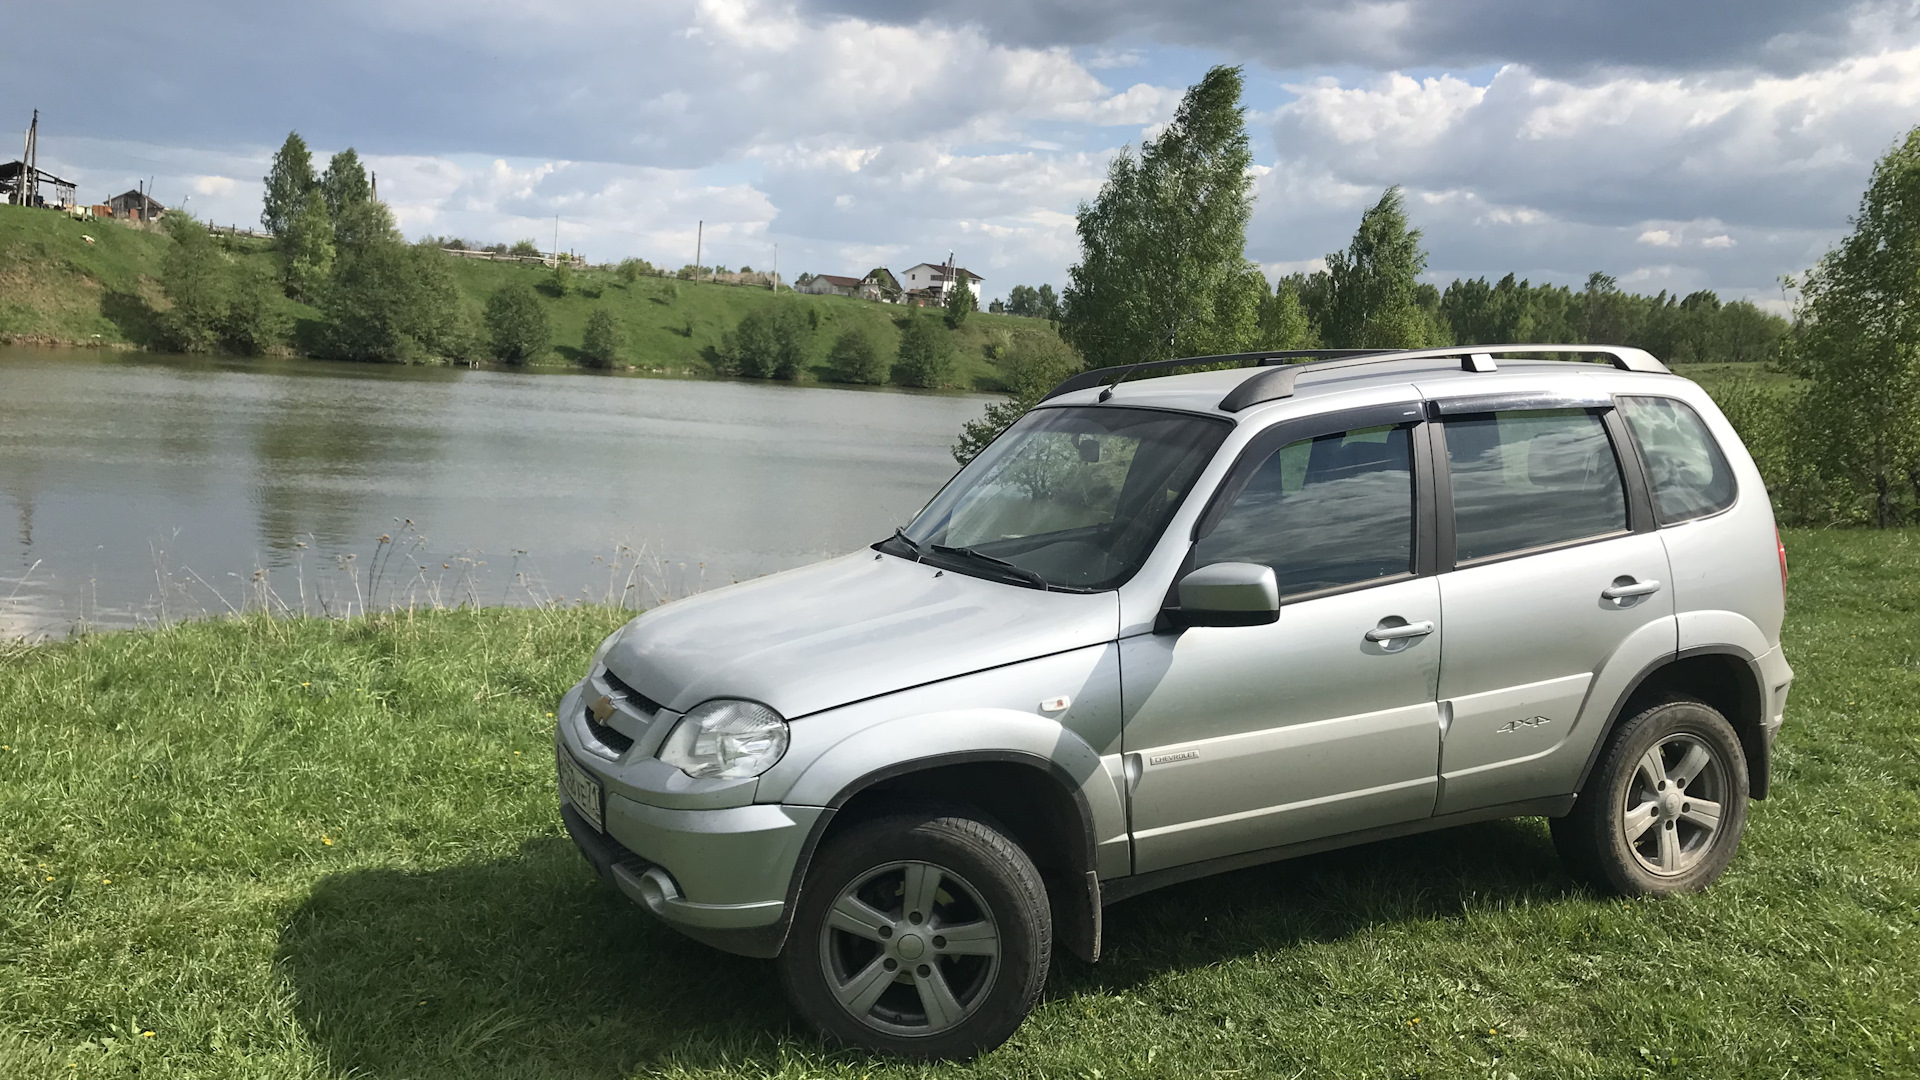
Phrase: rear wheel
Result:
[1665,805]
[925,935]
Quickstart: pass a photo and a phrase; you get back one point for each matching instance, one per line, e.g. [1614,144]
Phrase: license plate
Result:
[583,792]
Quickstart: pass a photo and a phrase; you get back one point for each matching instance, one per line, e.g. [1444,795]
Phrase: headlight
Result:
[726,740]
[600,653]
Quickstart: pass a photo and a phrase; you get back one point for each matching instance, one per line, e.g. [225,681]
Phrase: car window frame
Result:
[1633,478]
[1269,441]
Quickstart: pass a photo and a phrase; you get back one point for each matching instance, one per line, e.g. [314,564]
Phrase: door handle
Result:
[1404,630]
[1625,588]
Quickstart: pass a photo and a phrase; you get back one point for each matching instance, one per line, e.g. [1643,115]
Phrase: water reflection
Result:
[143,485]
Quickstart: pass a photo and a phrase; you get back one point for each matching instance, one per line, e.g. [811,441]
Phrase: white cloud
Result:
[1719,242]
[1659,238]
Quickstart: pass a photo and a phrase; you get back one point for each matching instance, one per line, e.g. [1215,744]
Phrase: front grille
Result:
[618,689]
[608,737]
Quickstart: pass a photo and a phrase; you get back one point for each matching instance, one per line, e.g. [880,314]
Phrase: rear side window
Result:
[1325,512]
[1689,473]
[1530,479]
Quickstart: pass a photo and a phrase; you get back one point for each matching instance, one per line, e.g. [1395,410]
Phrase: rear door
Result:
[1555,567]
[1248,737]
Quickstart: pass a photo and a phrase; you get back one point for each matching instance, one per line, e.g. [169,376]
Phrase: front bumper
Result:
[721,875]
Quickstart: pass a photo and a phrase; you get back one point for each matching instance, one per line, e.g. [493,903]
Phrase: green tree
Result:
[854,358]
[288,180]
[560,278]
[1163,270]
[960,304]
[749,349]
[344,183]
[1283,320]
[1034,363]
[389,301]
[1049,304]
[517,324]
[1373,298]
[255,320]
[306,248]
[195,278]
[1859,344]
[361,225]
[600,346]
[792,340]
[524,247]
[926,353]
[631,270]
[1024,301]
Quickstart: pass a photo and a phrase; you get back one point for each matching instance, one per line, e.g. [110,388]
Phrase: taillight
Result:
[1782,546]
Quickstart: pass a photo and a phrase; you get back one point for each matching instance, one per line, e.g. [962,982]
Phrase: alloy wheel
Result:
[1672,811]
[909,948]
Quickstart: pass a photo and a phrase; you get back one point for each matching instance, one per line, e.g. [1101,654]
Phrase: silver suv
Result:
[1167,627]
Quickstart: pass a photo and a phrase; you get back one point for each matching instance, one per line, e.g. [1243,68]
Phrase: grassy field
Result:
[57,288]
[273,849]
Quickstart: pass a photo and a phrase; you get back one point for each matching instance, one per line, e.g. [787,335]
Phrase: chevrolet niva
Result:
[1170,626]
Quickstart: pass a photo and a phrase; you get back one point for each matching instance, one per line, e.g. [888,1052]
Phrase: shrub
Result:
[926,354]
[960,303]
[1032,363]
[517,324]
[389,302]
[748,349]
[198,284]
[600,347]
[855,359]
[792,341]
[631,270]
[255,320]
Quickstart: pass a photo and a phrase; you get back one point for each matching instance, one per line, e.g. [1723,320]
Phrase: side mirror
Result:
[1229,594]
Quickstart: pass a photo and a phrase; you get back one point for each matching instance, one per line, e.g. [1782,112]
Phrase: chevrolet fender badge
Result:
[602,708]
[1168,759]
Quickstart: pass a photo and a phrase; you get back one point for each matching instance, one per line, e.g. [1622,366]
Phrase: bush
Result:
[390,302]
[600,347]
[792,341]
[926,354]
[855,359]
[960,303]
[748,350]
[198,284]
[517,324]
[631,270]
[255,320]
[560,280]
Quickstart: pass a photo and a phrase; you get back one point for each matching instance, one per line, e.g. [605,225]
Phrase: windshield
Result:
[1072,498]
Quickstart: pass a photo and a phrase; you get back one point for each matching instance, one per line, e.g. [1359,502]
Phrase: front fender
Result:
[991,715]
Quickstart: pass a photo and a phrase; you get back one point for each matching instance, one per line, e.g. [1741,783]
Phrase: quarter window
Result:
[1325,512]
[1530,479]
[1690,476]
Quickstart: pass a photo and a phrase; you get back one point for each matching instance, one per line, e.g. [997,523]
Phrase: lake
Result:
[140,488]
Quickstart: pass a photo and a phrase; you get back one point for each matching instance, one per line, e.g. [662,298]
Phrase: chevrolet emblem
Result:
[601,709]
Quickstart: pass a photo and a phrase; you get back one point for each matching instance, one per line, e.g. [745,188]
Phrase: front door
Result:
[1323,722]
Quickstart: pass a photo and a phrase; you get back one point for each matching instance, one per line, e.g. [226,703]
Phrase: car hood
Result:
[847,629]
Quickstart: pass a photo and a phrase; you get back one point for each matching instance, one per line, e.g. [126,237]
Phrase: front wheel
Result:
[924,935]
[1663,810]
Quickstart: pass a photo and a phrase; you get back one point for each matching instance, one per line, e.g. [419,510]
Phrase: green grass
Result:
[56,288]
[167,801]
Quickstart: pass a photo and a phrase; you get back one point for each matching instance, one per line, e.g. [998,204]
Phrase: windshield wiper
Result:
[900,534]
[980,556]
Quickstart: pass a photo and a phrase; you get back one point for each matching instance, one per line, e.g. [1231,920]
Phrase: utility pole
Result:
[28,188]
[699,236]
[376,186]
[776,268]
[556,239]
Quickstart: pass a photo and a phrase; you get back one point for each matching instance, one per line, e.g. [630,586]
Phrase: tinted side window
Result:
[1324,512]
[1690,475]
[1526,479]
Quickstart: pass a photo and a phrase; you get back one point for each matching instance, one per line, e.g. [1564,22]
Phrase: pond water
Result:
[140,488]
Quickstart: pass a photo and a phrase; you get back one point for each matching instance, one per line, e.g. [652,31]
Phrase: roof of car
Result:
[1236,390]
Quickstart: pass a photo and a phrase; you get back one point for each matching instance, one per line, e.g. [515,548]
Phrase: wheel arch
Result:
[1726,677]
[1031,798]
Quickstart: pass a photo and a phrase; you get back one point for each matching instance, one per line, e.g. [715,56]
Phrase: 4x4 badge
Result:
[1515,725]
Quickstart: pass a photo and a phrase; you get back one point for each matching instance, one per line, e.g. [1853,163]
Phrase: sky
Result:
[1711,144]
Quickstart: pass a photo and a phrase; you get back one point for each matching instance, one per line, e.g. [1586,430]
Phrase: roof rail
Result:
[1114,376]
[1278,383]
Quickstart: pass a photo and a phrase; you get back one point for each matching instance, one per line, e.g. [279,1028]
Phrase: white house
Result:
[932,279]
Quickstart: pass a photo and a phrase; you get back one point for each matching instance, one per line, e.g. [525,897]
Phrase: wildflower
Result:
[327,840]
[146,1034]
[106,881]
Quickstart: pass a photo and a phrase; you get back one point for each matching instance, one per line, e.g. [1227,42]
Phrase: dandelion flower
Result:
[327,840]
[146,1034]
[106,881]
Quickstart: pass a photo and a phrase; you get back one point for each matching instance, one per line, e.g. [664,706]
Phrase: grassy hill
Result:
[57,288]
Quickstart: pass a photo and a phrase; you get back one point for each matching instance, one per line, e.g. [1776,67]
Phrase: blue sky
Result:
[1714,144]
